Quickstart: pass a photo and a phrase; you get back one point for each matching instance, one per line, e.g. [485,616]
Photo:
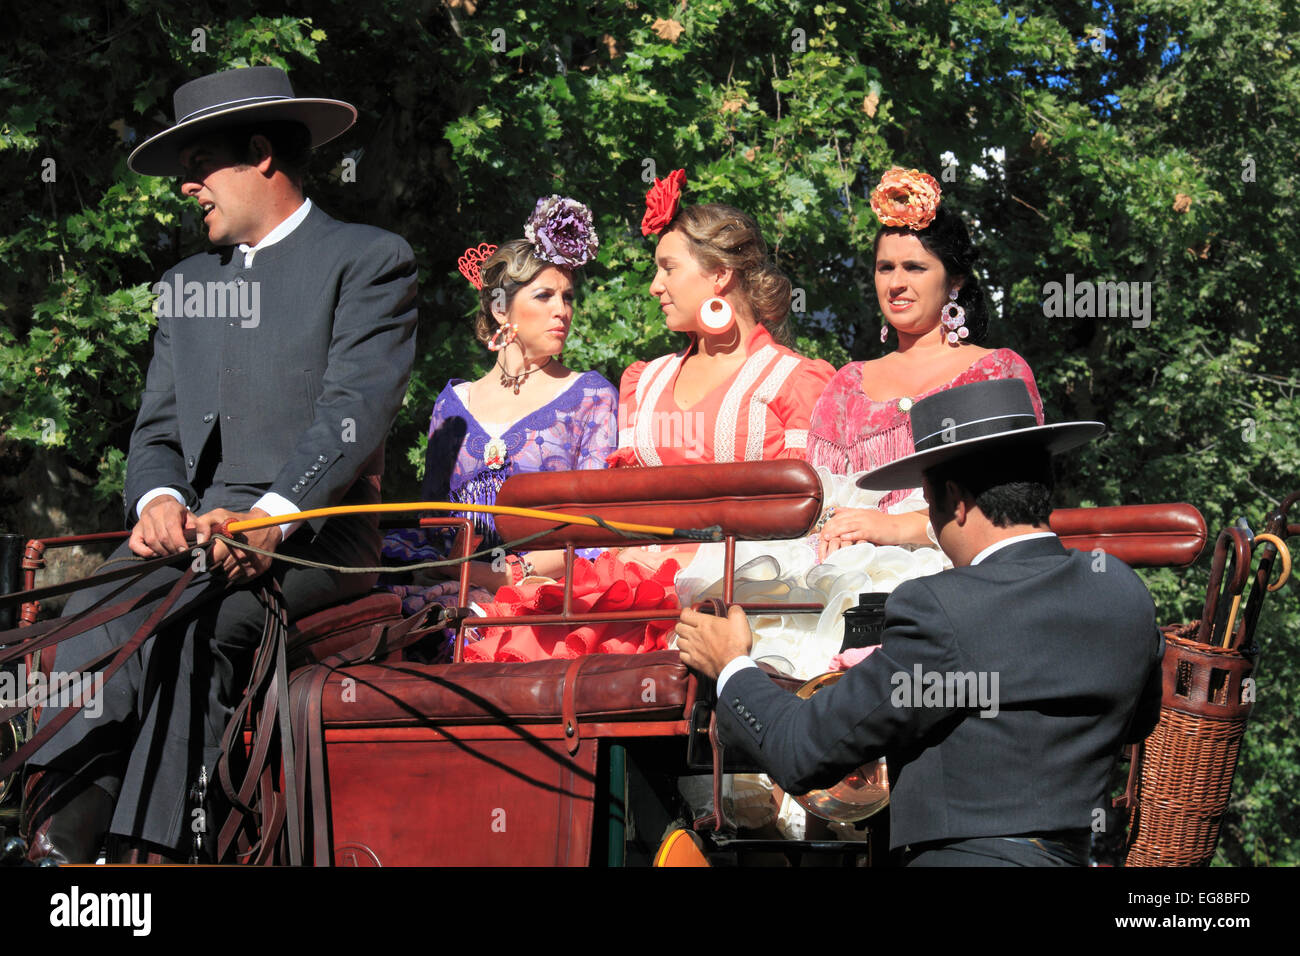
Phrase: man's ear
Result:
[956,502]
[260,154]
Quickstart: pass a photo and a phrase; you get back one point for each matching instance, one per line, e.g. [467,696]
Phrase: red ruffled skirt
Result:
[606,584]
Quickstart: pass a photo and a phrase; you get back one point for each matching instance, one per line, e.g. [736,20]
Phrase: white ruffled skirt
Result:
[787,572]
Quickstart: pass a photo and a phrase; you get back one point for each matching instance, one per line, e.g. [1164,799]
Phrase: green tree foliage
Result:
[1136,141]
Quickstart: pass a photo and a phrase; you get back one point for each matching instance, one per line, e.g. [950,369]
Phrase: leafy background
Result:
[1144,141]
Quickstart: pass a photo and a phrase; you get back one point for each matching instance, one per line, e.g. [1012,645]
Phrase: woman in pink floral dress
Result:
[932,303]
[869,540]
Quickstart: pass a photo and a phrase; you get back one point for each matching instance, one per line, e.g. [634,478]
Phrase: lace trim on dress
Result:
[796,438]
[515,435]
[763,395]
[724,433]
[661,371]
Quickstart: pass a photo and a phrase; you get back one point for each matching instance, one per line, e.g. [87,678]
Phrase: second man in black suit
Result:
[1002,690]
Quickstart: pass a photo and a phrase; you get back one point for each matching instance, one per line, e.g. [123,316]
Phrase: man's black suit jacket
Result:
[1071,641]
[303,393]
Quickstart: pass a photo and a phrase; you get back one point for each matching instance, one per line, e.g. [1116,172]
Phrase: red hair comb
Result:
[473,258]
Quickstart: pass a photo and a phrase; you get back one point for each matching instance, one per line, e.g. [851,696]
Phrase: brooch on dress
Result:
[494,454]
[905,404]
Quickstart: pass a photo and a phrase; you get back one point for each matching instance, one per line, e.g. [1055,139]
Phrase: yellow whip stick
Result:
[695,534]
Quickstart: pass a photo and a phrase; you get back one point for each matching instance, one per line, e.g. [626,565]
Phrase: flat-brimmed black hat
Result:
[231,98]
[983,418]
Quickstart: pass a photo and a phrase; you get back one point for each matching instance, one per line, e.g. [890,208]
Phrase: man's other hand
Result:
[165,527]
[236,564]
[708,643]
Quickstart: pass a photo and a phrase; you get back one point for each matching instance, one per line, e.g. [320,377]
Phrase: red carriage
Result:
[379,761]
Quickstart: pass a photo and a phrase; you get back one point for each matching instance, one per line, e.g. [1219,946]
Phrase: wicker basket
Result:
[1188,761]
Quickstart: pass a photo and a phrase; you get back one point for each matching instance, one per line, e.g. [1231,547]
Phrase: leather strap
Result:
[21,755]
[313,728]
[133,569]
[568,705]
[20,641]
[243,800]
[296,722]
[293,804]
[1129,800]
[717,820]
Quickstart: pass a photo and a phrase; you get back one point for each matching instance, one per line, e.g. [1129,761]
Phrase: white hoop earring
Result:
[716,316]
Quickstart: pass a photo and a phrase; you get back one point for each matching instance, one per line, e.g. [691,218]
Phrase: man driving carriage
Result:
[1067,644]
[280,361]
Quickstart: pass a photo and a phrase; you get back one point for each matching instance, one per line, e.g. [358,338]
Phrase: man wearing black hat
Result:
[281,359]
[1003,689]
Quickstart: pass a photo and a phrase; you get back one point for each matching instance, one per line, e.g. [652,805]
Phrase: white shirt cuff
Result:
[734,665]
[277,505]
[153,493]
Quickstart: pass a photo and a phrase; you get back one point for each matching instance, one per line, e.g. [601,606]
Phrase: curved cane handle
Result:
[1283,553]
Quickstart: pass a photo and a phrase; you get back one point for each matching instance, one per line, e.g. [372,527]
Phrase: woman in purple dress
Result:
[529,413]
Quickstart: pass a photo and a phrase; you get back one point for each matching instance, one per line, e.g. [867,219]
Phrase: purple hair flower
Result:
[562,232]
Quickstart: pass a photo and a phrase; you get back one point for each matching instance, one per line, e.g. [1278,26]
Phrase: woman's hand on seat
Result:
[853,526]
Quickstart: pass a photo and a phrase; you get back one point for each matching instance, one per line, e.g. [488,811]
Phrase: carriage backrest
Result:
[754,500]
[1142,536]
[765,500]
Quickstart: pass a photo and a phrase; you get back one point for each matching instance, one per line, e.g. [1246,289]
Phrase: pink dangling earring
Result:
[496,343]
[884,332]
[953,318]
[716,316]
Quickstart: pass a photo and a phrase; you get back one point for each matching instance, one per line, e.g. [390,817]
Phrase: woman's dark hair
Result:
[1011,484]
[948,241]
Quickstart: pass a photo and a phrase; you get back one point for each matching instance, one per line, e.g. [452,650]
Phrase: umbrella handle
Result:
[1285,555]
[1214,614]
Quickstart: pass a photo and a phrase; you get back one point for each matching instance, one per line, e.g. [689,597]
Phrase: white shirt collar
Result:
[998,545]
[275,235]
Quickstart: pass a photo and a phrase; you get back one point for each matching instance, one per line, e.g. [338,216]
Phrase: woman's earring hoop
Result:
[953,318]
[496,343]
[716,316]
[884,332]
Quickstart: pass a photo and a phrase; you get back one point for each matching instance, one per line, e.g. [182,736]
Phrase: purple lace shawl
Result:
[574,431]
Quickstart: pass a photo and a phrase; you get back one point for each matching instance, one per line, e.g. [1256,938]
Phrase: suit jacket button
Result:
[189,462]
[758,728]
[207,418]
[322,459]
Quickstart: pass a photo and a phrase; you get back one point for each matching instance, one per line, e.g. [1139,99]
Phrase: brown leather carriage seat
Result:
[1142,536]
[753,500]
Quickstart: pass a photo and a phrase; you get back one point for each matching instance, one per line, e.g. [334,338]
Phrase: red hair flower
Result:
[472,261]
[661,202]
[906,197]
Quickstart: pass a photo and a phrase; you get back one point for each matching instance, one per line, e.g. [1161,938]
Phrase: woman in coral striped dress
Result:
[737,391]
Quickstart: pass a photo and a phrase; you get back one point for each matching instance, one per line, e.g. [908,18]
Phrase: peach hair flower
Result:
[906,197]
